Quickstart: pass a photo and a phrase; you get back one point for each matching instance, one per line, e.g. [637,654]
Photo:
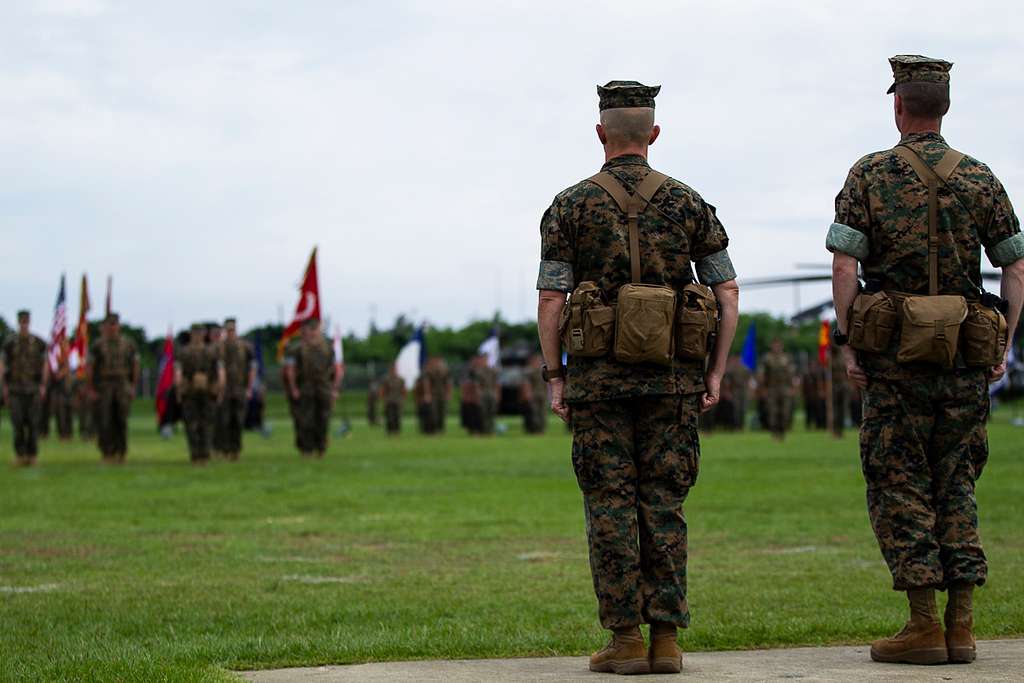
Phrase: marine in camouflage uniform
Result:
[59,395]
[239,363]
[24,372]
[392,393]
[199,374]
[440,391]
[635,447]
[776,379]
[422,395]
[113,373]
[313,377]
[486,378]
[534,397]
[923,440]
[469,399]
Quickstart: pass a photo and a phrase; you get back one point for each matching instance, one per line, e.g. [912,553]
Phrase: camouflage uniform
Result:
[84,407]
[635,448]
[440,387]
[314,372]
[59,397]
[198,400]
[486,378]
[113,362]
[237,359]
[393,393]
[469,397]
[422,395]
[23,358]
[840,391]
[777,374]
[923,438]
[535,402]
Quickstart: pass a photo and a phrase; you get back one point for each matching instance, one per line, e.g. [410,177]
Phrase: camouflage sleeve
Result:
[849,232]
[709,237]
[556,252]
[716,269]
[289,354]
[1002,237]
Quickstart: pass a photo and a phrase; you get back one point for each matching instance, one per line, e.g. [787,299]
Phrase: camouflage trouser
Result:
[635,461]
[86,410]
[312,414]
[24,409]
[840,406]
[923,444]
[425,414]
[779,405]
[440,414]
[112,409]
[393,412]
[488,411]
[60,407]
[199,412]
[227,434]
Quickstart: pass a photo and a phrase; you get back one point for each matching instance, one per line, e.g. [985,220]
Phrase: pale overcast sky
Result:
[198,150]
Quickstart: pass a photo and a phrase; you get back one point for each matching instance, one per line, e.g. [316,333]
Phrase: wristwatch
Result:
[548,375]
[839,338]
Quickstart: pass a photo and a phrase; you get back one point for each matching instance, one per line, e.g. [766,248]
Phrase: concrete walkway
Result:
[998,660]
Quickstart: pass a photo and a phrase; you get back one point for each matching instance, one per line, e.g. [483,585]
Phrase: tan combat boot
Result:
[959,620]
[665,655]
[921,640]
[624,654]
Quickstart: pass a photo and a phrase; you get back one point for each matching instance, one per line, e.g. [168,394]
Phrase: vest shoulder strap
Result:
[631,205]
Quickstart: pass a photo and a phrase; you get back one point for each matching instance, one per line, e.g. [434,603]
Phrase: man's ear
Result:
[601,135]
[655,132]
[898,105]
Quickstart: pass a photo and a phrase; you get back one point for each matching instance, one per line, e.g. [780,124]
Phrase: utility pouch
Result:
[587,324]
[696,323]
[983,337]
[873,319]
[199,383]
[930,331]
[643,324]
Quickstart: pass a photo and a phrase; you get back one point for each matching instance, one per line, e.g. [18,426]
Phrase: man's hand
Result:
[295,394]
[558,405]
[853,369]
[712,388]
[42,392]
[996,373]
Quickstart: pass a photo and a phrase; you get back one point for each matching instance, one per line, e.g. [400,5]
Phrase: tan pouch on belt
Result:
[931,329]
[587,324]
[983,337]
[873,319]
[696,322]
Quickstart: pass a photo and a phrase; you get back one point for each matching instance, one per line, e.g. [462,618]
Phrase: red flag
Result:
[824,342]
[166,378]
[308,307]
[80,346]
[59,330]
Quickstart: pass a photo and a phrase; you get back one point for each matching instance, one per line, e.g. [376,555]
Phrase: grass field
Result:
[429,547]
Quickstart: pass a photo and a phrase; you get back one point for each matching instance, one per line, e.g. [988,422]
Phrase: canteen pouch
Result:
[644,317]
[983,337]
[696,323]
[930,331]
[873,319]
[587,324]
[199,383]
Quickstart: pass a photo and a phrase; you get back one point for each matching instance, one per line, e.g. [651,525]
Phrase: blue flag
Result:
[749,354]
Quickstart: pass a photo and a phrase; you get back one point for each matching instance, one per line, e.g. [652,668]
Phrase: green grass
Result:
[427,548]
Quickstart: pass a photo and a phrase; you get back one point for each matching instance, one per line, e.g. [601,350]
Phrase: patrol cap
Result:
[917,69]
[23,314]
[229,321]
[198,327]
[623,94]
[112,319]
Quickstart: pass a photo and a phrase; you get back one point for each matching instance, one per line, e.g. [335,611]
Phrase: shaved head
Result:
[628,126]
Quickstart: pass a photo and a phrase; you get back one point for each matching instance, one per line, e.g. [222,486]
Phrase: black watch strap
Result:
[839,338]
[548,375]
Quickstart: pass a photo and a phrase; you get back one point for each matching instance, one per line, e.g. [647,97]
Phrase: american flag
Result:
[59,331]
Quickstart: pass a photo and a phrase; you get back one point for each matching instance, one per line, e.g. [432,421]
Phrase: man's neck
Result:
[615,152]
[921,126]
